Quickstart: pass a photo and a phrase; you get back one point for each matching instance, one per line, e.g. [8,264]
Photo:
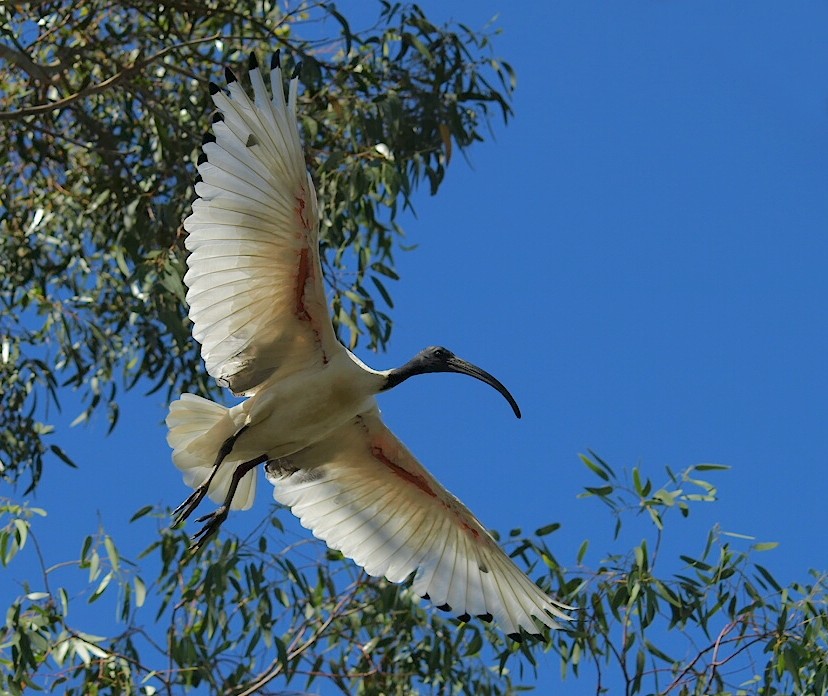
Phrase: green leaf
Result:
[768,577]
[666,497]
[102,585]
[765,546]
[592,466]
[660,654]
[60,454]
[385,270]
[382,291]
[94,566]
[696,563]
[712,467]
[655,517]
[87,544]
[474,645]
[112,553]
[599,491]
[21,532]
[142,512]
[640,553]
[332,161]
[636,474]
[547,529]
[140,591]
[64,602]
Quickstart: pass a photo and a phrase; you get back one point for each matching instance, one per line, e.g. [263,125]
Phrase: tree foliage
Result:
[254,616]
[101,112]
[103,107]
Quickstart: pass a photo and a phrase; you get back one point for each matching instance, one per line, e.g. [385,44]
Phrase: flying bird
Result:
[259,311]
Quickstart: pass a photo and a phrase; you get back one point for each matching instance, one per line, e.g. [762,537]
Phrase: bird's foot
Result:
[213,521]
[183,511]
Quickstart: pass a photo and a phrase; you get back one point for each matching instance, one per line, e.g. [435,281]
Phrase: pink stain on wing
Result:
[303,275]
[403,473]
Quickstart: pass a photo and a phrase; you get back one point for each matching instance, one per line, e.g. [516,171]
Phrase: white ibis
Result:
[258,307]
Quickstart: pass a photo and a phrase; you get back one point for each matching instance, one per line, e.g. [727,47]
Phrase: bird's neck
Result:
[399,374]
[372,381]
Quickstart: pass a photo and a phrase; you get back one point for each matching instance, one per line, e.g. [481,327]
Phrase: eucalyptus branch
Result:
[711,648]
[277,667]
[40,72]
[117,78]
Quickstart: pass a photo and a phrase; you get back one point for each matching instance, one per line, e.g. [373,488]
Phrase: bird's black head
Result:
[433,359]
[439,359]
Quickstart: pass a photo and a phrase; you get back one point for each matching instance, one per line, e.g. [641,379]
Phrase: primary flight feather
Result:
[258,307]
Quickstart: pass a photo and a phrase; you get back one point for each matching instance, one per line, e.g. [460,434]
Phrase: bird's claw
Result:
[183,511]
[213,521]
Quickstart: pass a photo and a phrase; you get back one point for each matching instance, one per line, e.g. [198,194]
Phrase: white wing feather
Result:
[363,493]
[255,283]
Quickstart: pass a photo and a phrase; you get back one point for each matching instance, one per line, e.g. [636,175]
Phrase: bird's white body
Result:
[283,417]
[259,310]
[293,413]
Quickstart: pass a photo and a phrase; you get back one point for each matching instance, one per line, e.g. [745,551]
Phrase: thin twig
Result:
[277,666]
[756,637]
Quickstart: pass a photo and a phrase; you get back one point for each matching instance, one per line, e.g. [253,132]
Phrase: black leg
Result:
[183,511]
[215,519]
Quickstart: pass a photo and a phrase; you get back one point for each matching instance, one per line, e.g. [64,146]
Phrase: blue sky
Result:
[640,256]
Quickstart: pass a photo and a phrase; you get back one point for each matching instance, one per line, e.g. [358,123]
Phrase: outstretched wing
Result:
[255,283]
[363,493]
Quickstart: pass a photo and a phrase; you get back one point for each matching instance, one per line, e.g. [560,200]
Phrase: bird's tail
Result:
[197,429]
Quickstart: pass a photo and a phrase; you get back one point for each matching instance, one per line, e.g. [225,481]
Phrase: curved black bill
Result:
[462,367]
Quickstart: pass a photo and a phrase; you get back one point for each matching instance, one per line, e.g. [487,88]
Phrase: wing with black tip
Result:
[363,493]
[254,279]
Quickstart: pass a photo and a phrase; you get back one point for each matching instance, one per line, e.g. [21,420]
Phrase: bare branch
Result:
[42,73]
[276,666]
